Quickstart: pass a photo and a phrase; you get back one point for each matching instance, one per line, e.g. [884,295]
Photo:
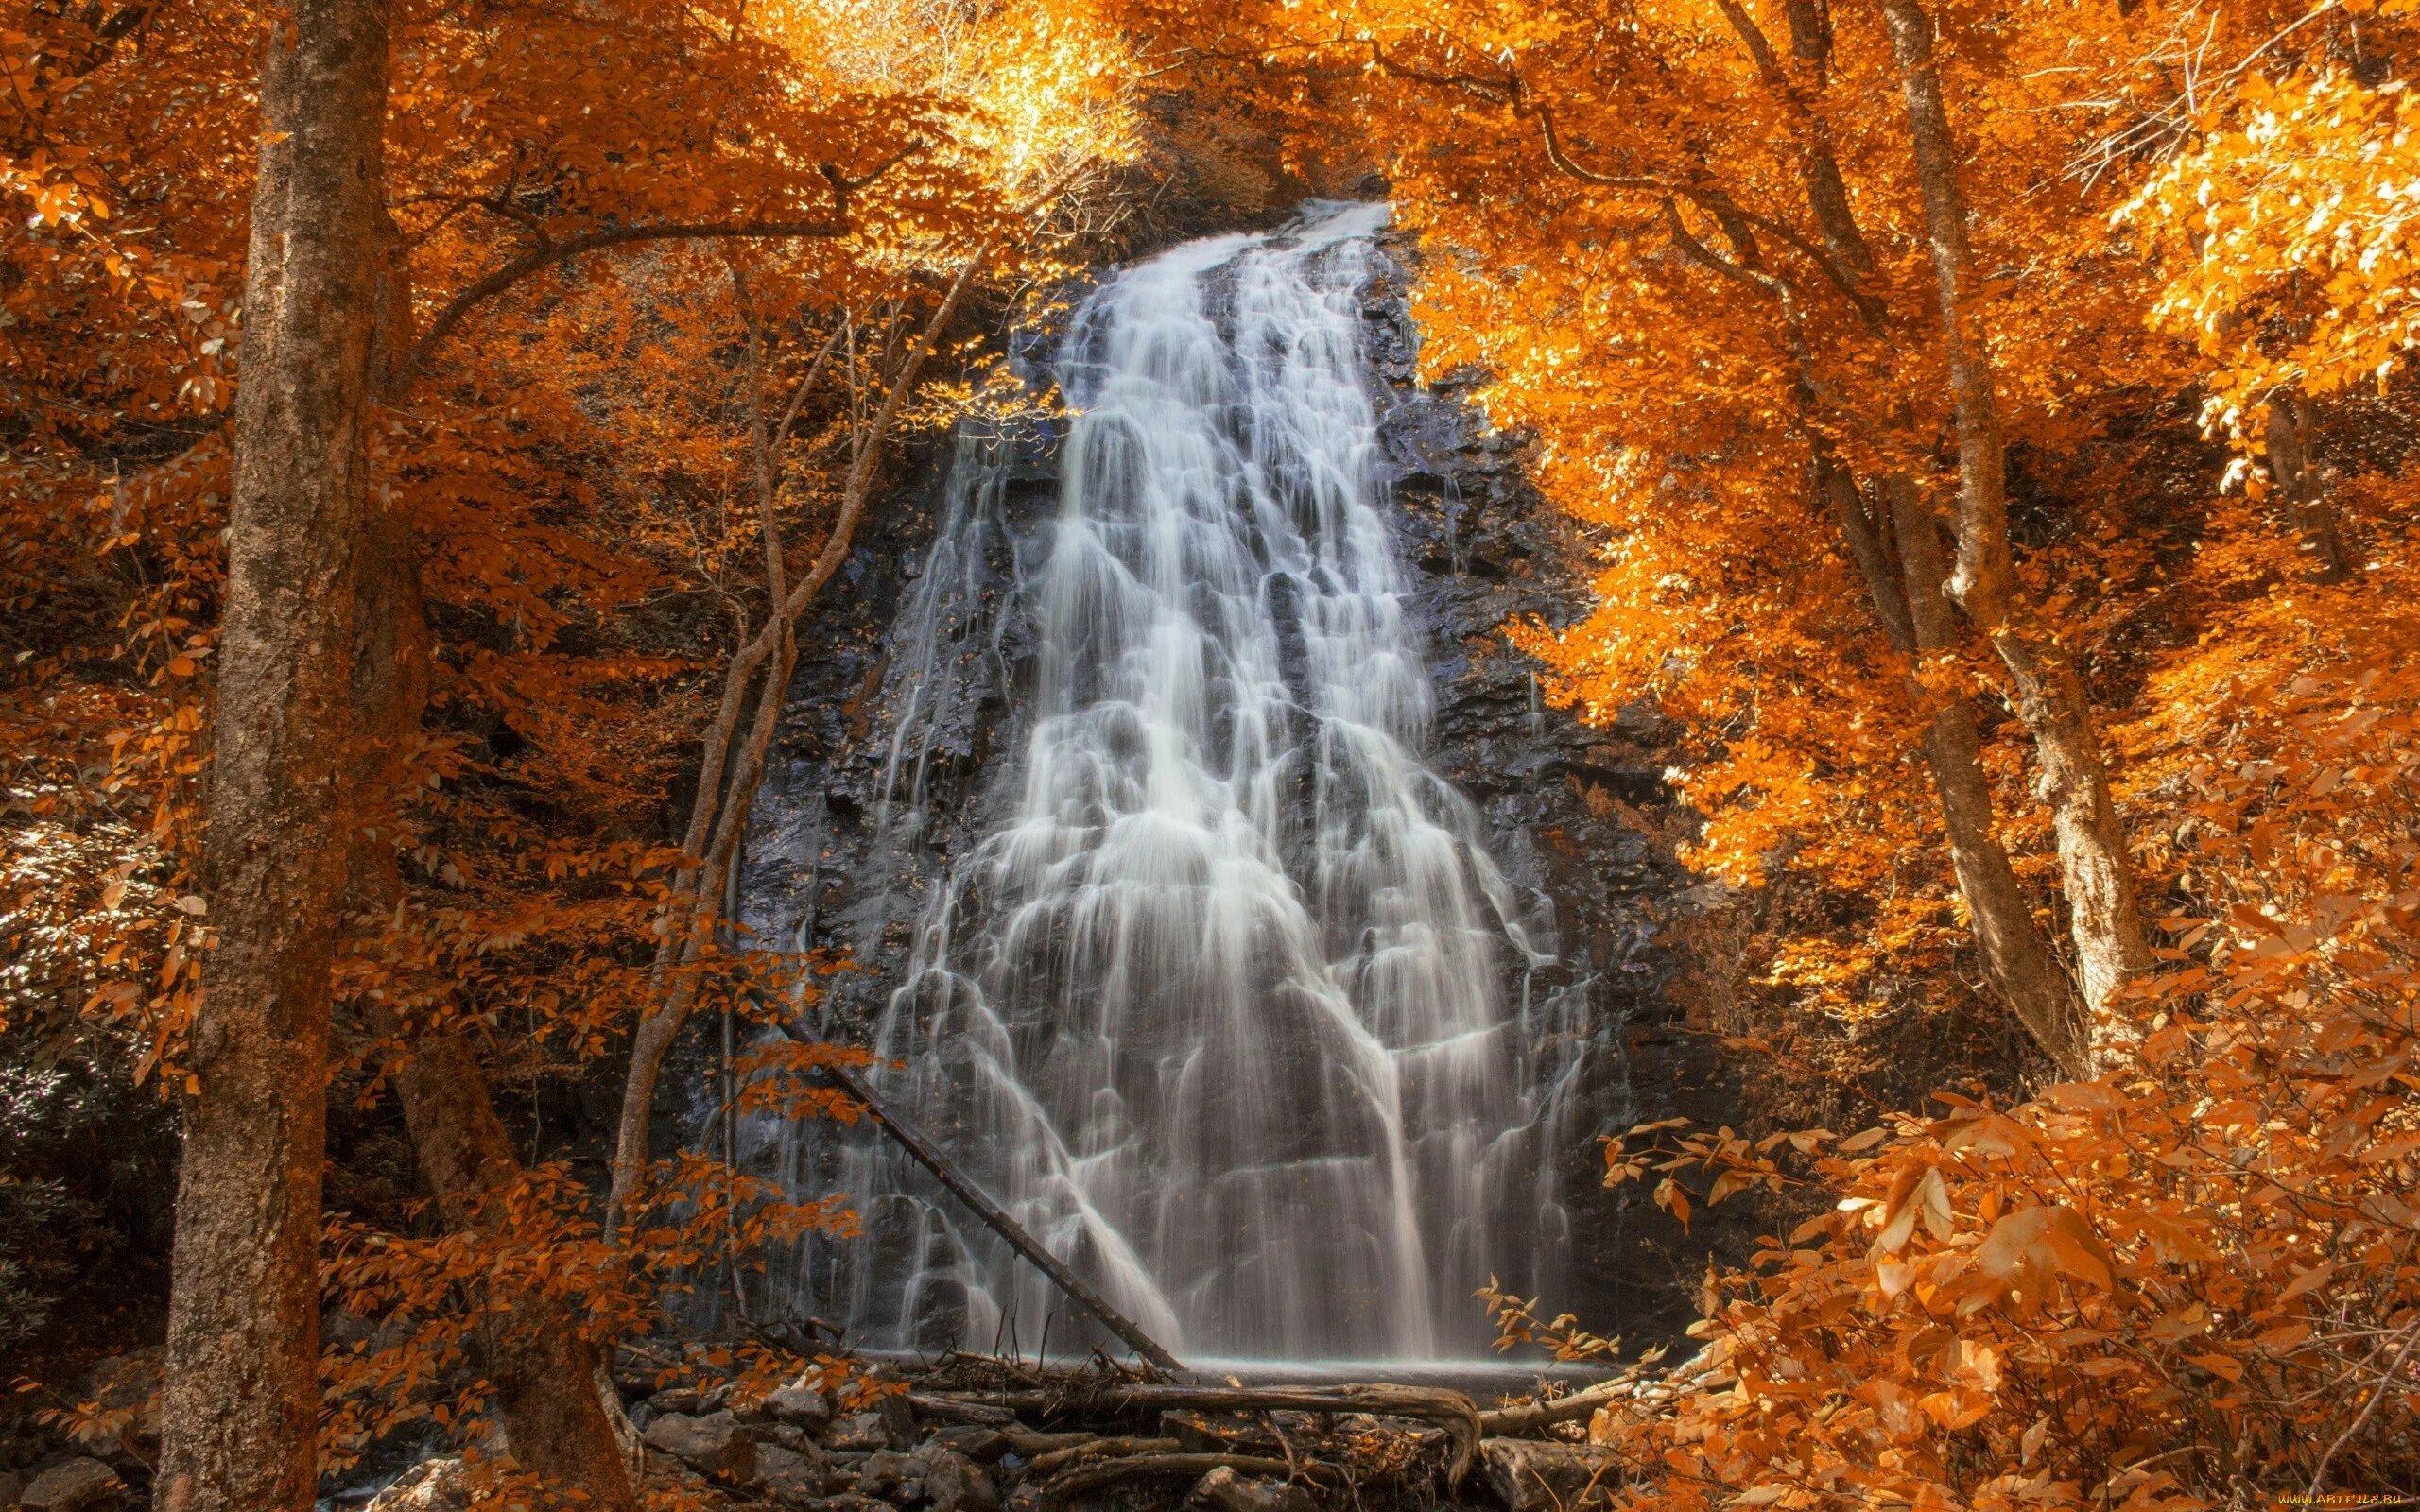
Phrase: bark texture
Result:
[241,1403]
[2072,777]
[2301,488]
[1900,557]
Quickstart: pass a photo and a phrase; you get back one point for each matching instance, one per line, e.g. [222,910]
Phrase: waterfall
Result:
[1216,1002]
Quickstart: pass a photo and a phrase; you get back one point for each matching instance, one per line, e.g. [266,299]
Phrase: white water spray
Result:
[1216,1009]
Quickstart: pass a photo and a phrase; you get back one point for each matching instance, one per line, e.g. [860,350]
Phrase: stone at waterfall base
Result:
[954,1483]
[789,1476]
[75,1485]
[1223,1490]
[801,1404]
[433,1486]
[1533,1476]
[891,1425]
[718,1445]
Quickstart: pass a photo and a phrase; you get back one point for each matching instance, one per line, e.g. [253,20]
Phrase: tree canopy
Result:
[1989,439]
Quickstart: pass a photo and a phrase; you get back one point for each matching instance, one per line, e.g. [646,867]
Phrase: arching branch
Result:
[549,252]
[546,256]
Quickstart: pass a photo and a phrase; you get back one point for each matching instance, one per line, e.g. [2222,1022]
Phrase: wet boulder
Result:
[1223,1490]
[1532,1476]
[800,1403]
[885,1472]
[81,1485]
[716,1444]
[862,1430]
[791,1477]
[954,1483]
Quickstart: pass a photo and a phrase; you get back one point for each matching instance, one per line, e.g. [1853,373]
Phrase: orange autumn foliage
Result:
[2187,1280]
[595,211]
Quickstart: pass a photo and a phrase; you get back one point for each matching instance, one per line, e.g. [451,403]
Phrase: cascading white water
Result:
[1218,1007]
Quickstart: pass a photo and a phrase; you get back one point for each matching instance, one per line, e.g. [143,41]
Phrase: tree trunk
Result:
[2016,955]
[2308,506]
[719,810]
[542,1370]
[2072,778]
[1916,621]
[240,1405]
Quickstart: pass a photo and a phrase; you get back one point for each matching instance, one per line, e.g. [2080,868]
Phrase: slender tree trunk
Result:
[2016,955]
[2072,777]
[240,1405]
[1916,621]
[719,813]
[542,1369]
[2299,486]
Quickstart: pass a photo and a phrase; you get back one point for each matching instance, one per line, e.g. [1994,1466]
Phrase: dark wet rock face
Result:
[857,830]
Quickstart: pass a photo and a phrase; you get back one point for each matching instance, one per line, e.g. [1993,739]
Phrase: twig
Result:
[2319,1477]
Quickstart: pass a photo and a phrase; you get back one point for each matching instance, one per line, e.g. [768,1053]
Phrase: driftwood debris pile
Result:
[978,1434]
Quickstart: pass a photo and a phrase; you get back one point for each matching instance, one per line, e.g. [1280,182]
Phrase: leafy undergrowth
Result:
[2191,1282]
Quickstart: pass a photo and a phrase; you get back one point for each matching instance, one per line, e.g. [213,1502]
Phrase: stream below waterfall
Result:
[1192,957]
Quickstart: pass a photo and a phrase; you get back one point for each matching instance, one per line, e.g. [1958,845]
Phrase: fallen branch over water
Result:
[1634,1384]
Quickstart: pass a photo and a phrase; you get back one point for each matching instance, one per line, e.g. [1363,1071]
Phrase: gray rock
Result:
[885,1471]
[790,1477]
[71,1486]
[898,1418]
[789,1436]
[11,1483]
[714,1445]
[955,1484]
[858,1431]
[1223,1490]
[1547,1477]
[984,1446]
[432,1485]
[801,1403]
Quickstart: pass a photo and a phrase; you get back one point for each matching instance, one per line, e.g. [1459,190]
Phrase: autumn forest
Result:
[1262,756]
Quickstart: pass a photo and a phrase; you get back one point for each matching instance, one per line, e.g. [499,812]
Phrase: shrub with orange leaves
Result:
[2191,1283]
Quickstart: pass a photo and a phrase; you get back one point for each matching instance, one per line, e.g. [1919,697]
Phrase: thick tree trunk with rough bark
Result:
[1906,585]
[239,1411]
[2072,778]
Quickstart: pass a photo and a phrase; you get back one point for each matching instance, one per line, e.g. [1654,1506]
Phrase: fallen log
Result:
[1059,1459]
[961,1412]
[995,1217]
[1451,1410]
[1633,1384]
[1512,1422]
[1139,1466]
[1033,1445]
